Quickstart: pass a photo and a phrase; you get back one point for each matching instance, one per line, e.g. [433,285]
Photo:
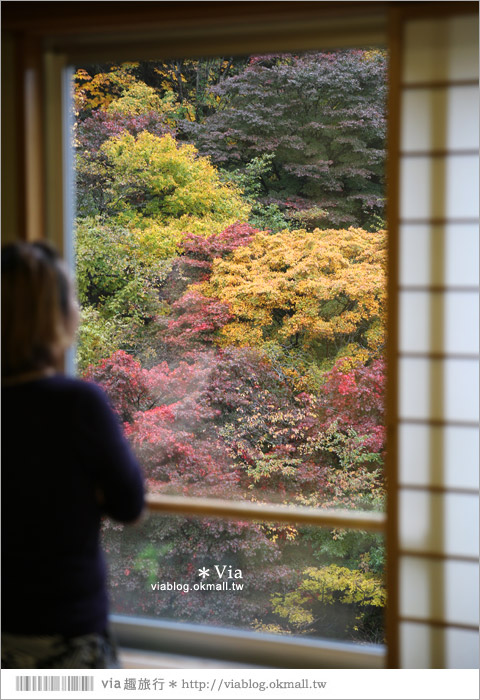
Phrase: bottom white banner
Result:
[237,683]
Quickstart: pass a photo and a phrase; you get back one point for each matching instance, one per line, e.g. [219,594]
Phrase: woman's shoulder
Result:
[60,396]
[58,387]
[88,401]
[77,388]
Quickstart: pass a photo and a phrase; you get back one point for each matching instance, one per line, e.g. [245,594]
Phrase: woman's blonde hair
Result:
[37,308]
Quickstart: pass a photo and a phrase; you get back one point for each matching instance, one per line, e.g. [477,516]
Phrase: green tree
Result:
[251,181]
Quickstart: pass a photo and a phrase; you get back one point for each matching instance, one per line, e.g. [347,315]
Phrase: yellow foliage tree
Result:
[119,92]
[323,291]
[164,188]
[99,91]
[325,587]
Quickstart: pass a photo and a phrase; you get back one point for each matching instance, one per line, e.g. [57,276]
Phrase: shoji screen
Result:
[438,362]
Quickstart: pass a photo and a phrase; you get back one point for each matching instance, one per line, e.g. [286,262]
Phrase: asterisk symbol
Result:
[173,684]
[204,572]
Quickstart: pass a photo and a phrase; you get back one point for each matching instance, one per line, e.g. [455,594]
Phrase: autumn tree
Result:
[119,272]
[174,548]
[221,423]
[192,80]
[161,180]
[96,88]
[114,101]
[154,190]
[242,357]
[251,179]
[358,599]
[176,90]
[107,104]
[224,424]
[321,292]
[322,115]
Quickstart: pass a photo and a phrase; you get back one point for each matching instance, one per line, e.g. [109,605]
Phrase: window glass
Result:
[230,256]
[265,577]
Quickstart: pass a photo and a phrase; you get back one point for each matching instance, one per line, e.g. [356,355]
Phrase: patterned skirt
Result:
[57,651]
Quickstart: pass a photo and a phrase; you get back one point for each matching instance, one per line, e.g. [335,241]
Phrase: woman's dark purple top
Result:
[60,442]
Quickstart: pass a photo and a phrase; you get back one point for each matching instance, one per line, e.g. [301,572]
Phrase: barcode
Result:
[60,683]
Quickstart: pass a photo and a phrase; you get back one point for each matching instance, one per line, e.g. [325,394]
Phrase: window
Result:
[230,252]
[435,379]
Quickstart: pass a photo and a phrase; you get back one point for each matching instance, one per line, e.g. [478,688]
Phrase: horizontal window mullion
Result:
[438,355]
[439,422]
[438,221]
[443,489]
[440,556]
[438,623]
[439,153]
[438,289]
[243,646]
[235,510]
[440,84]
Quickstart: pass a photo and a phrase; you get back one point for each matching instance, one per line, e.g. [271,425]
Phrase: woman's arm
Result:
[118,477]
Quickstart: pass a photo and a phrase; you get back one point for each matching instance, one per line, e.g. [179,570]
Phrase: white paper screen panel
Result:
[445,591]
[438,389]
[439,188]
[439,323]
[439,255]
[438,344]
[442,118]
[441,524]
[443,49]
[423,646]
[436,456]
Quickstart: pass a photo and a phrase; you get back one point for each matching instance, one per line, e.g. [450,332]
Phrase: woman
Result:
[65,463]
